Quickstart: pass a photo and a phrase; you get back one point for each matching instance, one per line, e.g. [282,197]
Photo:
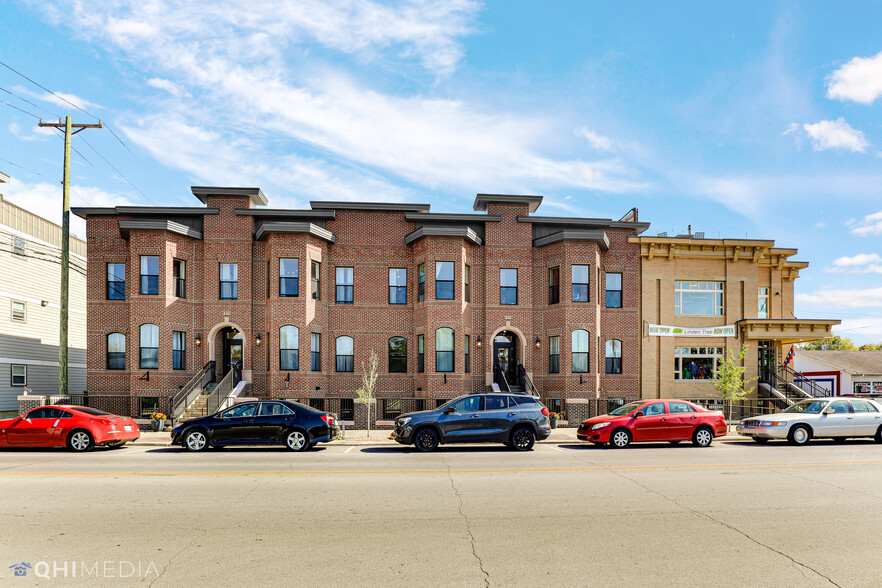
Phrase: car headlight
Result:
[772,423]
[404,421]
[599,426]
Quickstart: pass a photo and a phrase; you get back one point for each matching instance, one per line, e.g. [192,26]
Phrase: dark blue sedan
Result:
[268,422]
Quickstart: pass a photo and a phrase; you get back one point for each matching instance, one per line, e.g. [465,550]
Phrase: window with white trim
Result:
[762,310]
[19,311]
[698,298]
[19,375]
[696,363]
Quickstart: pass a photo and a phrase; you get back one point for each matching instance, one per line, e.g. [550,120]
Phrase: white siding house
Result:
[842,372]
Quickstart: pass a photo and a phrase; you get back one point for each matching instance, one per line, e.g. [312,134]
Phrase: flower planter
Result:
[553,423]
[157,425]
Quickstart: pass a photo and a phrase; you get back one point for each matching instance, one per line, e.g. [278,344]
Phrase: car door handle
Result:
[693,418]
[514,413]
[664,418]
[474,416]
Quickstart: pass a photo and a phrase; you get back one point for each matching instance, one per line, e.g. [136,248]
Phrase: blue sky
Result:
[757,119]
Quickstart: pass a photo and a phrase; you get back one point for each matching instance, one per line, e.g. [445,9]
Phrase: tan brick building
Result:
[706,284]
[297,300]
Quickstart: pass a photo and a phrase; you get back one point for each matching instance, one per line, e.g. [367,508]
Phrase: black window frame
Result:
[553,358]
[612,362]
[179,356]
[179,277]
[289,356]
[337,286]
[315,279]
[613,292]
[467,279]
[397,361]
[391,408]
[446,283]
[112,357]
[115,292]
[233,284]
[153,363]
[554,285]
[447,353]
[468,355]
[315,355]
[152,282]
[508,289]
[400,292]
[289,282]
[350,363]
[581,285]
[421,279]
[421,354]
[347,409]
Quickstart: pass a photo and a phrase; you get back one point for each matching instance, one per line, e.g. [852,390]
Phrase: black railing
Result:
[526,382]
[184,397]
[804,383]
[226,386]
[499,378]
[118,404]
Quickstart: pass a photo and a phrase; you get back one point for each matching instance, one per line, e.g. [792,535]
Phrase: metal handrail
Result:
[184,397]
[526,381]
[499,378]
[224,388]
[805,384]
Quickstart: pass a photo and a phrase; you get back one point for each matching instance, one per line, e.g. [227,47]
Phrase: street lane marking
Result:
[350,449]
[439,472]
[556,448]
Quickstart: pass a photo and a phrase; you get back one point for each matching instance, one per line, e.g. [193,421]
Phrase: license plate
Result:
[128,427]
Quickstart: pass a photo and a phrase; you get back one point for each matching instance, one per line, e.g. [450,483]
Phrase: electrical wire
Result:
[48,90]
[31,103]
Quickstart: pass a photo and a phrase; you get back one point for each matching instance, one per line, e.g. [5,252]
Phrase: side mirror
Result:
[829,411]
[639,413]
[449,410]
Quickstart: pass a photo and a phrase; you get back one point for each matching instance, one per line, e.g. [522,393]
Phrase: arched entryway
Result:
[226,347]
[505,356]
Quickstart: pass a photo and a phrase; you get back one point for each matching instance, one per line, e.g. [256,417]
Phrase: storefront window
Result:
[696,363]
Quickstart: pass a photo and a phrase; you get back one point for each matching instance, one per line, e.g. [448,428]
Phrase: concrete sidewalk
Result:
[562,436]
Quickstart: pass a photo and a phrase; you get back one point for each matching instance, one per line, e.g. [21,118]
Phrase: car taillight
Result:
[544,411]
[327,418]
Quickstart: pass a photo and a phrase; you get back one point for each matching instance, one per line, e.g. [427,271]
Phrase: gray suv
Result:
[516,420]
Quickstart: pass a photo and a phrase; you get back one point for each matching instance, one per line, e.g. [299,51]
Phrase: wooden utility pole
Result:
[65,244]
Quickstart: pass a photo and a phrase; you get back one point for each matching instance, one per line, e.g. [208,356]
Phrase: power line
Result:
[47,89]
[117,171]
[29,102]
[20,110]
[60,134]
[21,166]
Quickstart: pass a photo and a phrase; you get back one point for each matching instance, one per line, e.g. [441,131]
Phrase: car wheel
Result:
[196,440]
[799,435]
[620,438]
[80,440]
[674,442]
[702,437]
[878,436]
[297,440]
[523,439]
[761,439]
[426,439]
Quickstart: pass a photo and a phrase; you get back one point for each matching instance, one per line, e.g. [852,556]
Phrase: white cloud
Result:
[599,142]
[820,225]
[838,134]
[862,330]
[841,297]
[861,263]
[859,80]
[162,84]
[44,199]
[869,225]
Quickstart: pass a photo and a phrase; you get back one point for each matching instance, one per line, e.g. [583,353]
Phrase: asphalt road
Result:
[736,513]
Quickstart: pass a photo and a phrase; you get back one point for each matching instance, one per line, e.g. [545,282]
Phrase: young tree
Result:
[729,379]
[835,343]
[368,382]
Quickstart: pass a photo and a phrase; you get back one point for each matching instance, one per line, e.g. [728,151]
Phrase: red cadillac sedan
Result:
[655,420]
[78,428]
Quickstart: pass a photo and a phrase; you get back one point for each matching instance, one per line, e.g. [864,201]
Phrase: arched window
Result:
[149,347]
[289,348]
[581,345]
[613,356]
[444,347]
[397,355]
[345,359]
[116,351]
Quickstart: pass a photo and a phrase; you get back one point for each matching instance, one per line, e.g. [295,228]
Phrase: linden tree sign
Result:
[668,331]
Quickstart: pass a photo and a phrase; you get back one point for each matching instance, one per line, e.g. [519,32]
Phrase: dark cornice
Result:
[443,231]
[126,225]
[574,235]
[605,223]
[482,200]
[83,212]
[429,217]
[374,206]
[203,192]
[286,213]
[293,227]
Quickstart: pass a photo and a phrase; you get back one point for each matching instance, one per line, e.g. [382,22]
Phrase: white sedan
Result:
[835,418]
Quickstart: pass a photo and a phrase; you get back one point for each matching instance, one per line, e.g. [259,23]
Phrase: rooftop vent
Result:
[663,234]
[699,234]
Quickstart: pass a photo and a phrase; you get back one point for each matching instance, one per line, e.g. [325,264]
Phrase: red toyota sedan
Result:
[78,428]
[655,420]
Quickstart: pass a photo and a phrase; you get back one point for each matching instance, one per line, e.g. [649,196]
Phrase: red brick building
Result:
[298,299]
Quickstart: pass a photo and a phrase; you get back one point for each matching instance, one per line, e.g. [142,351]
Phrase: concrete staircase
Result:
[197,409]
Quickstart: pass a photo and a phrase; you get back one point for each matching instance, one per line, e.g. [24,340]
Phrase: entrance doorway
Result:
[232,349]
[505,350]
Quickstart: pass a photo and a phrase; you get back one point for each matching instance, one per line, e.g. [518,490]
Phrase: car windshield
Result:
[626,409]
[807,406]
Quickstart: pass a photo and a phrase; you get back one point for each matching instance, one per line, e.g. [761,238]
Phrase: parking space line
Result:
[350,449]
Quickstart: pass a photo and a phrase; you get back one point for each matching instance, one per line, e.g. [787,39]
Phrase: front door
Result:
[653,425]
[232,353]
[35,428]
[504,356]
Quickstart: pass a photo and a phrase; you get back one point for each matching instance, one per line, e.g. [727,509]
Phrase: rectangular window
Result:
[421,354]
[315,343]
[421,287]
[19,311]
[420,404]
[179,350]
[116,281]
[116,351]
[696,363]
[444,280]
[468,362]
[179,272]
[267,280]
[316,280]
[345,276]
[19,375]
[19,246]
[553,285]
[397,355]
[554,354]
[508,286]
[149,274]
[317,403]
[554,405]
[614,356]
[698,298]
[347,409]
[148,406]
[397,285]
[439,402]
[289,277]
[467,277]
[391,408]
[614,290]
[229,281]
[762,303]
[580,283]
